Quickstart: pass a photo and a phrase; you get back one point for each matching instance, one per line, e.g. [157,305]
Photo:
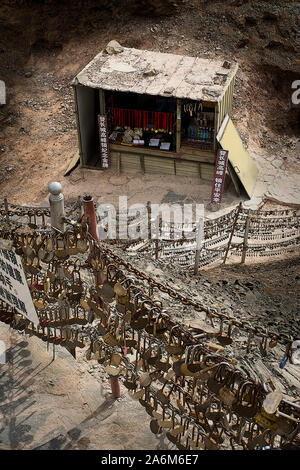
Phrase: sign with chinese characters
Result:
[103,141]
[14,289]
[219,177]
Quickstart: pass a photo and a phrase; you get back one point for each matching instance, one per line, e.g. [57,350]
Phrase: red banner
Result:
[103,141]
[219,177]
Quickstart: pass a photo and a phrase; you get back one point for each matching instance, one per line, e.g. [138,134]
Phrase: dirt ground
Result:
[37,63]
[106,186]
[40,409]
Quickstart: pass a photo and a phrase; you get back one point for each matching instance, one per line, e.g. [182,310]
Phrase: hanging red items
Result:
[141,119]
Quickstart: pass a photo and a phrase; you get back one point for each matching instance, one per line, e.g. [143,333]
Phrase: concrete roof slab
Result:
[157,73]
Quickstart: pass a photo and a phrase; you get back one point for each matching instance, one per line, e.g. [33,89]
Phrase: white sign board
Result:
[154,143]
[104,141]
[165,146]
[14,289]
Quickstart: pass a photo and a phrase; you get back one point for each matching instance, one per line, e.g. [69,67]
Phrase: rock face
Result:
[268,29]
[156,7]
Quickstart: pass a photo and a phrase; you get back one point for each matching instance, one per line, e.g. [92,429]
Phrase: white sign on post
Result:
[14,289]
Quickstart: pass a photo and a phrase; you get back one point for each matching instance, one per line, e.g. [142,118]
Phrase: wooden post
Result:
[149,219]
[178,125]
[78,126]
[232,231]
[245,244]
[196,265]
[101,101]
[197,253]
[215,127]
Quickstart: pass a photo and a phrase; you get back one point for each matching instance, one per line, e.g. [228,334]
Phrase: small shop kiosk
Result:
[152,112]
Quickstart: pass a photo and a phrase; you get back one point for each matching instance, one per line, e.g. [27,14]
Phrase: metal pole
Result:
[115,387]
[91,220]
[90,216]
[57,207]
[232,231]
[245,245]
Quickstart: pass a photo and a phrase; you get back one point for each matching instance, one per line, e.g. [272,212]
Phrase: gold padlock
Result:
[109,339]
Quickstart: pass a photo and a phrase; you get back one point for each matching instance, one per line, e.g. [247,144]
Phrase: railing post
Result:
[57,207]
[115,387]
[196,263]
[199,247]
[149,219]
[245,244]
[232,231]
[157,226]
[90,216]
[91,219]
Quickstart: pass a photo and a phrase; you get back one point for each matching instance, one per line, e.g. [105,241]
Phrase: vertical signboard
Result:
[219,176]
[14,290]
[103,141]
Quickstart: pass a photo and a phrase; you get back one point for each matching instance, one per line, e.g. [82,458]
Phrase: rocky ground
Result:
[63,404]
[38,63]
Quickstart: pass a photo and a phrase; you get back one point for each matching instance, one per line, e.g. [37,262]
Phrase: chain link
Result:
[188,301]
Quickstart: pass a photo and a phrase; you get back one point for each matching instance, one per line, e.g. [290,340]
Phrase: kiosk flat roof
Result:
[156,73]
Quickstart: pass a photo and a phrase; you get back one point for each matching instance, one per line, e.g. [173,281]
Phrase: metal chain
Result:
[281,338]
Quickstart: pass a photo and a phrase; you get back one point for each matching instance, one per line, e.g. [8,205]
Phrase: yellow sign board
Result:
[238,156]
